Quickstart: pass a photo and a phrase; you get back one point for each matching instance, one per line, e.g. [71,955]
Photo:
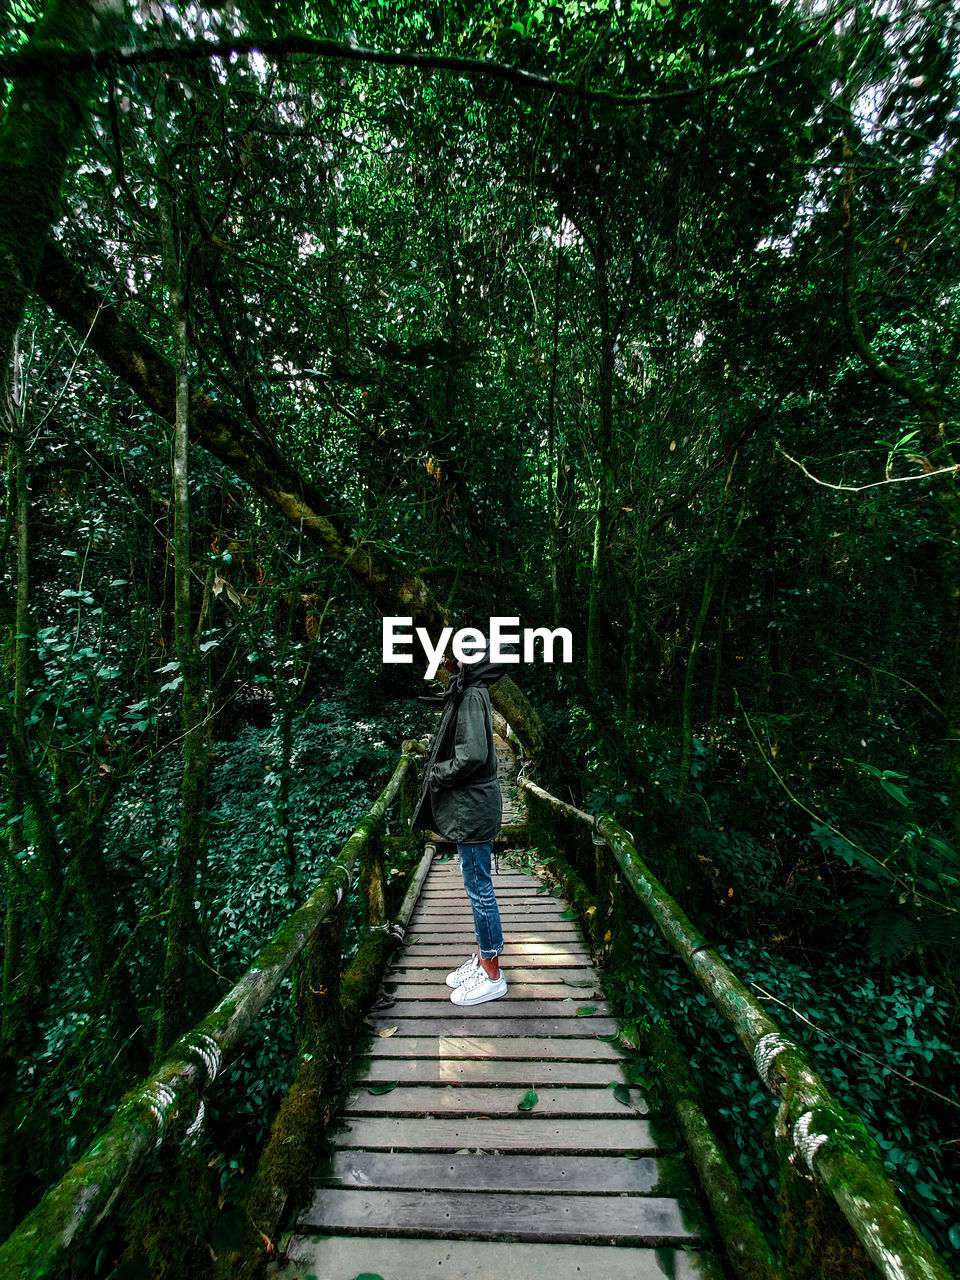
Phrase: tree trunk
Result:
[283,793]
[605,481]
[553,515]
[11,1039]
[182,922]
[689,681]
[42,119]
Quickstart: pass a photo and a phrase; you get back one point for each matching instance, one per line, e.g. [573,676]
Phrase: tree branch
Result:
[63,62]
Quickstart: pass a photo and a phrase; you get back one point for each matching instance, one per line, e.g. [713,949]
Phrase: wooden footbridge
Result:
[507,1141]
[439,1171]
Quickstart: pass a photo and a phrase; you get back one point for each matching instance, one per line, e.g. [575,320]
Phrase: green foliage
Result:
[885,1048]
[407,284]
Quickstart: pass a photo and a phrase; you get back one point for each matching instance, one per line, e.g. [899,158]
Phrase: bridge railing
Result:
[815,1132]
[167,1109]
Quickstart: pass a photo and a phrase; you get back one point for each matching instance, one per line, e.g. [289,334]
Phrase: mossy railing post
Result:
[373,883]
[816,1242]
[605,873]
[409,793]
[317,978]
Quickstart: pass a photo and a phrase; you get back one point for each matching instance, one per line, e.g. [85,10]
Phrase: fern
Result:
[892,935]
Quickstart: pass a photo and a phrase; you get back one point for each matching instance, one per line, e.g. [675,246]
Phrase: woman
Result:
[460,800]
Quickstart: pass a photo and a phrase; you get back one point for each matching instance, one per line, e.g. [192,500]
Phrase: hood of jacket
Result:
[483,671]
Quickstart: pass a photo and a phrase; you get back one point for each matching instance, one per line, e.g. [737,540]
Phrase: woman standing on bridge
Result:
[460,800]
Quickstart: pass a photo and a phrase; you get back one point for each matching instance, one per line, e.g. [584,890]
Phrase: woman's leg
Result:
[475,863]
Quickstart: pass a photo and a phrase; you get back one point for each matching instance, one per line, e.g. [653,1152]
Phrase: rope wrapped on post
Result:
[830,1141]
[145,1118]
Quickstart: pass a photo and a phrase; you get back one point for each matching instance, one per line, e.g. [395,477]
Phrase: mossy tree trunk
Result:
[42,119]
[717,552]
[596,609]
[553,466]
[14,1025]
[182,922]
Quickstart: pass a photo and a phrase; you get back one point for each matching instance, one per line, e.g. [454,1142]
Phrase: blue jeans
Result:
[475,864]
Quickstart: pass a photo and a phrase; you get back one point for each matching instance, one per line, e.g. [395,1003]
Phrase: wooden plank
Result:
[519,893]
[462,911]
[453,889]
[445,931]
[429,976]
[456,894]
[514,898]
[488,1071]
[518,1133]
[520,944]
[483,1215]
[455,949]
[472,1100]
[481,1021]
[442,878]
[505,1007]
[535,908]
[518,990]
[453,898]
[513,1047]
[346,1257]
[458,914]
[422,1171]
[552,931]
[440,961]
[425,949]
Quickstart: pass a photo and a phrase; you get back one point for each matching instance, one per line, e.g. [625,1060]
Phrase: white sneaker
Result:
[459,976]
[479,987]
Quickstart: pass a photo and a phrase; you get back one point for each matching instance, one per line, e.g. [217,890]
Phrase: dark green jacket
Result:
[460,795]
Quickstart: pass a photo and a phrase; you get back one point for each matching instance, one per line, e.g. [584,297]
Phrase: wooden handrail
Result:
[828,1139]
[43,1242]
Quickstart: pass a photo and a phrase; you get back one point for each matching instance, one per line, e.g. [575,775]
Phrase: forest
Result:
[639,318]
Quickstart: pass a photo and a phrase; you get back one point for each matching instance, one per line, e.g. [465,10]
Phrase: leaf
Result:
[622,1094]
[586,1011]
[577,982]
[382,1088]
[390,1031]
[528,1101]
[556,892]
[667,1262]
[569,915]
[895,792]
